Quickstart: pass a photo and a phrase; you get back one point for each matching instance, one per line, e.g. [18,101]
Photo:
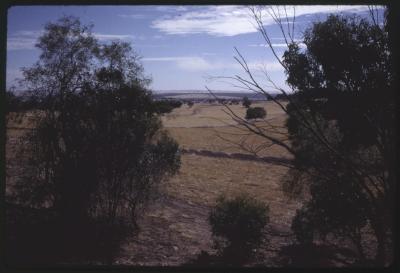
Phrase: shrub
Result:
[166,106]
[239,223]
[246,102]
[255,112]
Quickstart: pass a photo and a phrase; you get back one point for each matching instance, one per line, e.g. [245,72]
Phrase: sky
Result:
[181,47]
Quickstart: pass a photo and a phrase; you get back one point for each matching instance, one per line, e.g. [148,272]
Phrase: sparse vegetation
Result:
[88,150]
[255,113]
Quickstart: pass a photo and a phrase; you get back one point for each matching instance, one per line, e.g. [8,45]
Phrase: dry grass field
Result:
[175,228]
[208,127]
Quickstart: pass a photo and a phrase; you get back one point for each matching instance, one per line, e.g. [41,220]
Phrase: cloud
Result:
[185,62]
[24,39]
[234,20]
[277,45]
[18,43]
[217,21]
[111,37]
[265,65]
[195,63]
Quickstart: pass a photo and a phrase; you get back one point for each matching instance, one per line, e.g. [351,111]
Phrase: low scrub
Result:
[255,112]
[237,226]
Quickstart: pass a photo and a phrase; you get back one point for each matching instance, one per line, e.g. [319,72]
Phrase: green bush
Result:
[239,223]
[255,112]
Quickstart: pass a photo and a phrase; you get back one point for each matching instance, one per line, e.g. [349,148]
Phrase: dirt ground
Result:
[175,228]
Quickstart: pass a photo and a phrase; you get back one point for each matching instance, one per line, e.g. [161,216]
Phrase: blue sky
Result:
[182,47]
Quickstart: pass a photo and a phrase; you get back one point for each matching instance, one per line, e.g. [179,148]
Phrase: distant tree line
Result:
[20,102]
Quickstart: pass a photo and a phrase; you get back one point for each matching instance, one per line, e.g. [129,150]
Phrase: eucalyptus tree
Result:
[340,126]
[98,151]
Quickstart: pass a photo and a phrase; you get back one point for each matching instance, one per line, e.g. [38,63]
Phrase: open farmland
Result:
[209,127]
[200,136]
[177,227]
[174,229]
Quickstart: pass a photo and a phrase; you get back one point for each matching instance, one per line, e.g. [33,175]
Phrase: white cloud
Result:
[18,43]
[24,39]
[185,62]
[111,37]
[266,65]
[195,63]
[277,45]
[216,20]
[234,20]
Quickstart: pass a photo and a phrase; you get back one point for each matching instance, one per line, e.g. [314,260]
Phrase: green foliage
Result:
[246,102]
[239,222]
[323,81]
[255,112]
[166,106]
[99,151]
[337,117]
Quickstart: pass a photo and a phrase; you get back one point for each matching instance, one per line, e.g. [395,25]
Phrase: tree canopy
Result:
[343,138]
[98,151]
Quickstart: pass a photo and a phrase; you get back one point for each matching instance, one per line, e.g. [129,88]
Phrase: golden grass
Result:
[208,127]
[202,179]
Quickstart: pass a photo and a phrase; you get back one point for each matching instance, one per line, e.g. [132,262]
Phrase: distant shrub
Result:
[255,112]
[239,223]
[246,102]
[166,106]
[190,103]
